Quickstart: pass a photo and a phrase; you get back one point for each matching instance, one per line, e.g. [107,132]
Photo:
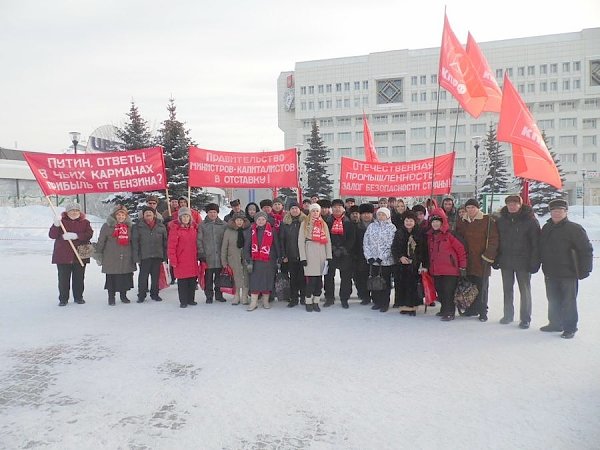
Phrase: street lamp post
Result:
[476,139]
[299,152]
[75,135]
[583,192]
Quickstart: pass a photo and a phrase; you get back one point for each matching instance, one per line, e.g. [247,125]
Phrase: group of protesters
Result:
[310,241]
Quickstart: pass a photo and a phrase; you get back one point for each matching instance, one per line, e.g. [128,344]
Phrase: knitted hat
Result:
[72,207]
[293,203]
[472,202]
[266,202]
[337,201]
[147,208]
[211,207]
[366,208]
[558,203]
[239,215]
[314,207]
[184,210]
[385,211]
[513,199]
[261,214]
[324,203]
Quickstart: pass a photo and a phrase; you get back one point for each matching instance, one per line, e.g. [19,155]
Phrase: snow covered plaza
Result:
[152,375]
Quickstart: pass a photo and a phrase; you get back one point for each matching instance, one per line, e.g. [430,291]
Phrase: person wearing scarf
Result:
[231,255]
[261,250]
[278,213]
[314,245]
[183,254]
[115,254]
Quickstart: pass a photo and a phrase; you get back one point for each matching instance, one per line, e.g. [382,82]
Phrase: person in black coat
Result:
[567,256]
[288,236]
[360,272]
[518,256]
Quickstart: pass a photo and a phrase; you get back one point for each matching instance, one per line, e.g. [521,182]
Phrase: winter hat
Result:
[266,202]
[366,208]
[235,202]
[239,215]
[350,199]
[261,214]
[184,210]
[278,200]
[211,207]
[384,210]
[418,208]
[72,207]
[152,198]
[293,203]
[147,208]
[353,209]
[314,207]
[324,203]
[472,202]
[337,201]
[558,204]
[436,217]
[513,199]
[120,208]
[410,215]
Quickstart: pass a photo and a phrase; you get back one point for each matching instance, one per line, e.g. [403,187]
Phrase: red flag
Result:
[525,193]
[458,75]
[531,157]
[492,90]
[370,151]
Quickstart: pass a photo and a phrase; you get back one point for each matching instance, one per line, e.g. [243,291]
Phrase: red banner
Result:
[369,145]
[211,168]
[402,179]
[127,171]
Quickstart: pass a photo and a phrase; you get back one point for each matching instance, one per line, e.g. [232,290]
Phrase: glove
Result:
[57,223]
[329,260]
[463,273]
[68,236]
[371,260]
[305,263]
[99,262]
[249,267]
[378,260]
[202,258]
[495,266]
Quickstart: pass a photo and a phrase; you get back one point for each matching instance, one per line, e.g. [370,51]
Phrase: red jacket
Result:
[447,254]
[182,249]
[63,253]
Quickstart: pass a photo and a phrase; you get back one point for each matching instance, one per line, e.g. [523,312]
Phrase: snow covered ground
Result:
[217,377]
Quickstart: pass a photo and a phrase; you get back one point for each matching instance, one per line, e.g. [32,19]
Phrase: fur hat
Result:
[184,210]
[472,202]
[120,208]
[278,200]
[384,210]
[261,214]
[353,209]
[235,202]
[324,203]
[314,207]
[266,202]
[558,203]
[513,199]
[366,208]
[418,208]
[337,201]
[211,207]
[72,206]
[239,215]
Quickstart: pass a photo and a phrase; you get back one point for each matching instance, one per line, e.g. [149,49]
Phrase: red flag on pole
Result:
[458,75]
[531,157]
[492,90]
[370,150]
[525,193]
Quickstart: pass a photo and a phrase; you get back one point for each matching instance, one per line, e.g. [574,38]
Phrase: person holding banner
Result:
[183,255]
[149,239]
[377,246]
[314,246]
[115,254]
[70,271]
[261,250]
[210,240]
[232,255]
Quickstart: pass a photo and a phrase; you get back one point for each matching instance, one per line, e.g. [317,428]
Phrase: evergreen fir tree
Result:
[540,194]
[135,134]
[318,181]
[497,178]
[175,140]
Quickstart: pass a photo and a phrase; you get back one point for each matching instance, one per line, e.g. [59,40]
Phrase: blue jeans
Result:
[562,303]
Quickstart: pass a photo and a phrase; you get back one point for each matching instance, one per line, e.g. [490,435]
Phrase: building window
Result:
[306,123]
[460,163]
[434,95]
[346,103]
[303,90]
[550,141]
[321,104]
[365,100]
[359,136]
[389,91]
[328,104]
[358,120]
[553,68]
[380,136]
[566,85]
[543,69]
[357,85]
[434,78]
[418,149]
[418,133]
[567,140]
[423,79]
[589,141]
[344,121]
[441,114]
[326,122]
[590,157]
[399,151]
[346,151]
[327,138]
[553,86]
[311,105]
[567,105]
[566,67]
[530,70]
[417,116]
[521,71]
[546,107]
[543,86]
[576,66]
[499,74]
[357,102]
[345,136]
[303,106]
[568,158]
[547,124]
[460,112]
[530,87]
[338,87]
[423,96]
[399,117]
[441,131]
[509,71]
[521,88]
[591,103]
[321,90]
[460,146]
[478,129]
[440,147]
[311,89]
[338,103]
[365,85]
[460,130]
[577,84]
[568,123]
[414,97]
[346,86]
[413,80]
[380,118]
[328,88]
[589,124]
[382,152]
[442,95]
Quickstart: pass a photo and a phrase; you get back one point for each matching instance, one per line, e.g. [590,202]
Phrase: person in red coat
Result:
[447,261]
[183,255]
[79,231]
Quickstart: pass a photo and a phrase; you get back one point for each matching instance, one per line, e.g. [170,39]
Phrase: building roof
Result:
[14,155]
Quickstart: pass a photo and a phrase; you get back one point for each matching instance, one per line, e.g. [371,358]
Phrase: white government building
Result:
[557,75]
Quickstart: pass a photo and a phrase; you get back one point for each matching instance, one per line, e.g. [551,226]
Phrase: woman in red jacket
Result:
[447,261]
[183,255]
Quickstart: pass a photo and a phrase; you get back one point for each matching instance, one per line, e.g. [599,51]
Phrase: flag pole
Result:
[189,196]
[168,200]
[437,115]
[62,225]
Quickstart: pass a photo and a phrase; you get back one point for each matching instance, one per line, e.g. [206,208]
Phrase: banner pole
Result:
[168,200]
[64,231]
[437,115]
[189,196]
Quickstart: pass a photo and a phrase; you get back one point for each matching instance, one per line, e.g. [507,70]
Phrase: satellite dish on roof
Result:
[103,139]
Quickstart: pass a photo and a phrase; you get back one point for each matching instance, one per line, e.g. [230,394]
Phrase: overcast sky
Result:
[76,65]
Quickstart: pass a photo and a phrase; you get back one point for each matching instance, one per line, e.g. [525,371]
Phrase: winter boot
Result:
[244,296]
[111,298]
[328,302]
[315,301]
[253,302]
[236,298]
[292,303]
[124,298]
[265,301]
[345,303]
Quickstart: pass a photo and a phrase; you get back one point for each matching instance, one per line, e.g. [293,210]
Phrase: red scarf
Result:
[278,219]
[262,253]
[338,225]
[121,233]
[318,232]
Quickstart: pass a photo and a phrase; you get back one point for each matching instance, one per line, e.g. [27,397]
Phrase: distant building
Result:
[557,75]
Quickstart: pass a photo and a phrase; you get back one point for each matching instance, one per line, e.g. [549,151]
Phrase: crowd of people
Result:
[369,245]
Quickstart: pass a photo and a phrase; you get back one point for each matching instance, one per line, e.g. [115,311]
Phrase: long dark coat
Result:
[115,258]
[63,253]
[565,249]
[149,242]
[519,240]
[288,236]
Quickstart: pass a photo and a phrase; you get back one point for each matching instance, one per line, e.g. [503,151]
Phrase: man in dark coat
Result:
[450,210]
[567,256]
[343,236]
[360,267]
[236,207]
[518,255]
[288,237]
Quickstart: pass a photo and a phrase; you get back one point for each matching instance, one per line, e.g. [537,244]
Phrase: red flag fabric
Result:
[531,157]
[370,150]
[525,193]
[211,168]
[458,75]
[403,179]
[129,171]
[492,90]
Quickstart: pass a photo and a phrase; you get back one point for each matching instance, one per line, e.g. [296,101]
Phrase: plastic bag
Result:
[429,293]
[226,282]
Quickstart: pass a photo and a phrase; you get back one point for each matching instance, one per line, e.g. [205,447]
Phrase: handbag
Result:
[163,278]
[465,294]
[86,251]
[429,293]
[226,278]
[375,282]
[202,266]
[282,286]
